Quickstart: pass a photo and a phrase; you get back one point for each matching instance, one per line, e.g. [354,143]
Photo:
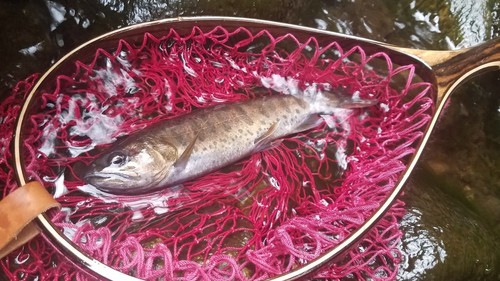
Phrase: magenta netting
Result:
[256,219]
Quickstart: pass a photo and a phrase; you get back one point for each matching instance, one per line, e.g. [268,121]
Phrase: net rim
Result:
[98,269]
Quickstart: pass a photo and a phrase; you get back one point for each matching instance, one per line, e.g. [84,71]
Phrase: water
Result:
[37,33]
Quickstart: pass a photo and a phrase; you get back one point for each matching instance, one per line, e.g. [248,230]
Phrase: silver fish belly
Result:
[205,140]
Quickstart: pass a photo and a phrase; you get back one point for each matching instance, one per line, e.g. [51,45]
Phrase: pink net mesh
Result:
[261,217]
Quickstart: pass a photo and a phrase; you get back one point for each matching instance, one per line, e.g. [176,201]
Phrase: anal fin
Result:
[310,122]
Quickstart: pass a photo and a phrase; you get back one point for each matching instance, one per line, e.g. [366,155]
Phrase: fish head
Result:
[133,166]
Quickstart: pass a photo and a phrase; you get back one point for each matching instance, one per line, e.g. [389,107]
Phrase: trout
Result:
[180,149]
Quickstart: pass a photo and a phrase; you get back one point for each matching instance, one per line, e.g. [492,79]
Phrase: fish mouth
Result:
[94,178]
[115,184]
[105,181]
[105,176]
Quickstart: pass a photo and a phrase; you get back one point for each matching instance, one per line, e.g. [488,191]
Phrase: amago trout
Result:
[183,148]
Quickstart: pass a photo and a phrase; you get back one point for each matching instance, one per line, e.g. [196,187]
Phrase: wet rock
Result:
[466,148]
[452,226]
[443,238]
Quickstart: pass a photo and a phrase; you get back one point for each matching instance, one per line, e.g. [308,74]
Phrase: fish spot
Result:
[264,111]
[177,136]
[286,105]
[243,114]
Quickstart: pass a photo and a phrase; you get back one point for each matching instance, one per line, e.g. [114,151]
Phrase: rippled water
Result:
[36,33]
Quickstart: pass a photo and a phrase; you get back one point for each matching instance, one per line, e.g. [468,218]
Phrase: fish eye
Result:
[117,159]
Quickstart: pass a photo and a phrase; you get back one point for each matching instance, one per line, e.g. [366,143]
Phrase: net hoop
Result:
[98,269]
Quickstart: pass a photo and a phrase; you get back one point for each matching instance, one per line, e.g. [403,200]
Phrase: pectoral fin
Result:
[268,139]
[183,159]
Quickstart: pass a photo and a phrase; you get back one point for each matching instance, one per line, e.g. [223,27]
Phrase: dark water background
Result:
[453,199]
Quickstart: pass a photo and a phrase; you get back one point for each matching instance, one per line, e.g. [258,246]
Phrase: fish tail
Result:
[326,102]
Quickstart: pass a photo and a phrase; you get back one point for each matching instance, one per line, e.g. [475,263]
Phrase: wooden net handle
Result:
[17,212]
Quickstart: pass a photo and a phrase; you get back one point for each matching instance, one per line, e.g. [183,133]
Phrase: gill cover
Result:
[133,166]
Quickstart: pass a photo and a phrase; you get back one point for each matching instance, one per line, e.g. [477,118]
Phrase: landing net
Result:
[258,218]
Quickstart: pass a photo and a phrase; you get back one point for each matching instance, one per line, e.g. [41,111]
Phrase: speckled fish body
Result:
[205,140]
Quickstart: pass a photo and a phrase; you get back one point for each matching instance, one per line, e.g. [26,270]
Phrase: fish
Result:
[176,150]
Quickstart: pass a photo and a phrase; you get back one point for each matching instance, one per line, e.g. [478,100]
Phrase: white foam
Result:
[200,99]
[111,78]
[232,63]
[70,231]
[187,69]
[137,215]
[324,202]
[94,124]
[167,92]
[338,120]
[158,201]
[48,136]
[355,96]
[60,188]
[384,107]
[278,83]
[216,64]
[341,156]
[274,182]
[122,59]
[97,126]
